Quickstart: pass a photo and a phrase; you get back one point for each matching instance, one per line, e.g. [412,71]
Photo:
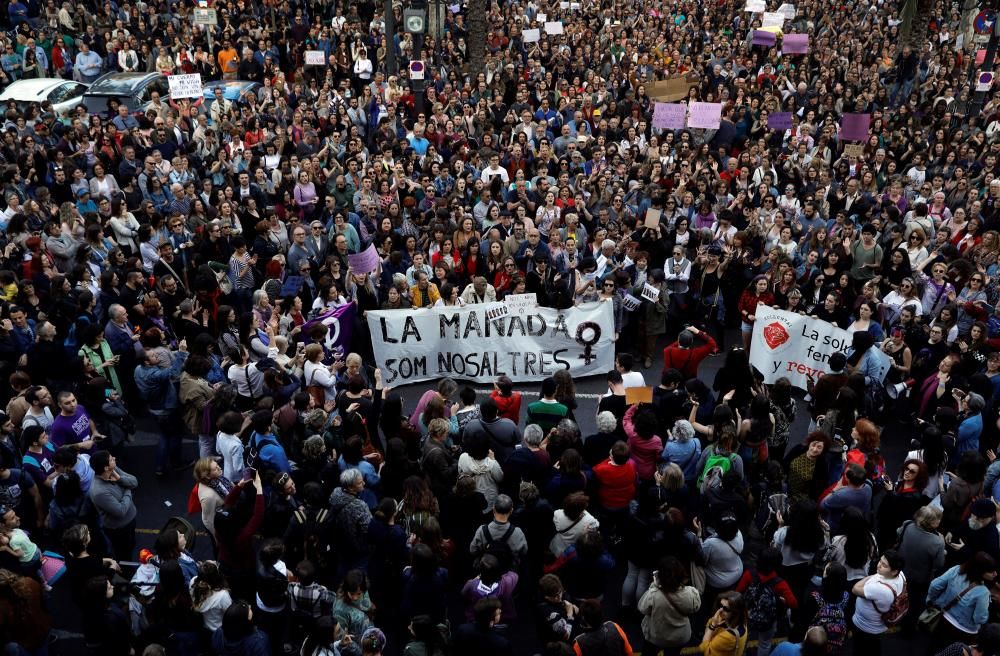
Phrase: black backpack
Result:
[499,548]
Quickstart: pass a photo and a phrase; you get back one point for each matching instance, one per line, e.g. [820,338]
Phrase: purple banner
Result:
[762,38]
[339,322]
[795,44]
[779,121]
[669,116]
[854,127]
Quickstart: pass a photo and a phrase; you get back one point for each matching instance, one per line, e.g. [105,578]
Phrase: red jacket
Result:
[509,406]
[685,360]
[748,303]
[781,588]
[615,484]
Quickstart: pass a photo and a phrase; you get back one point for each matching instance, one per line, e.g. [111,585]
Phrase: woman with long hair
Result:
[726,632]
[963,594]
[855,546]
[755,294]
[800,536]
[210,596]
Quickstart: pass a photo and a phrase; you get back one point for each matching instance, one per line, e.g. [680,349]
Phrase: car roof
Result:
[120,83]
[35,87]
[231,89]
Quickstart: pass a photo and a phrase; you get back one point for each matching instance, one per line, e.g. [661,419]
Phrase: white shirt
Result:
[231,448]
[633,379]
[317,373]
[868,617]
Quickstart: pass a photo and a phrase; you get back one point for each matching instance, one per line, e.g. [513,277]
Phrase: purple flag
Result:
[669,116]
[795,44]
[779,121]
[339,322]
[854,127]
[762,38]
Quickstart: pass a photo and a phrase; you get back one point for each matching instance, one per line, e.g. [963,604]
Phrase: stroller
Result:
[143,583]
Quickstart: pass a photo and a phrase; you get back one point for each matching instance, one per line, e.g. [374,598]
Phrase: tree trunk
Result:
[914,31]
[476,43]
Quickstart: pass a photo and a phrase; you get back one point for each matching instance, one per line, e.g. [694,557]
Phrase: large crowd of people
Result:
[164,261]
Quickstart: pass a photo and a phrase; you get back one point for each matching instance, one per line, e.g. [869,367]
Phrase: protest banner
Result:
[412,346]
[339,322]
[315,57]
[185,86]
[634,395]
[772,19]
[787,10]
[795,44]
[779,121]
[854,127]
[762,38]
[790,345]
[365,261]
[669,116]
[531,36]
[650,292]
[705,115]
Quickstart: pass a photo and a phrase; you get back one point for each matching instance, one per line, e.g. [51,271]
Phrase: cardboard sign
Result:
[634,395]
[795,44]
[705,115]
[630,303]
[787,10]
[854,150]
[553,27]
[315,57]
[779,121]
[365,261]
[669,116]
[531,36]
[652,218]
[650,293]
[854,127]
[185,86]
[755,6]
[762,38]
[672,89]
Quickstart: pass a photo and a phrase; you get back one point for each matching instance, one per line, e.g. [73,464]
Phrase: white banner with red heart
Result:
[793,346]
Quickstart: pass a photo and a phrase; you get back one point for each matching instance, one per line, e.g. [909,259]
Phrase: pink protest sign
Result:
[795,44]
[762,38]
[854,127]
[669,116]
[705,115]
[779,121]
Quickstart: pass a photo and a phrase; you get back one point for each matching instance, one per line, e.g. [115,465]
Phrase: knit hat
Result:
[984,508]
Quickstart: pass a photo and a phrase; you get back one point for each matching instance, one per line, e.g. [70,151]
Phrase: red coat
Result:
[616,484]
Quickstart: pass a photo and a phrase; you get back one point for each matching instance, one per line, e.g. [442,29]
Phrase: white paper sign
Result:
[462,343]
[531,36]
[496,311]
[630,303]
[521,304]
[755,6]
[787,10]
[553,27]
[315,57]
[185,86]
[650,293]
[541,18]
[773,19]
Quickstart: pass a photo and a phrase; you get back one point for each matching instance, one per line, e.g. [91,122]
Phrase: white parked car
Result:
[63,94]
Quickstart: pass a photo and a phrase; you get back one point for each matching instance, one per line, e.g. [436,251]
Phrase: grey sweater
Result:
[922,551]
[114,500]
[517,542]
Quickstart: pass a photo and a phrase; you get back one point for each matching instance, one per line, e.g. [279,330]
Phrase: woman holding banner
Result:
[755,294]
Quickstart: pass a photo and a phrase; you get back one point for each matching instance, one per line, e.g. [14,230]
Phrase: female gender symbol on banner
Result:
[588,344]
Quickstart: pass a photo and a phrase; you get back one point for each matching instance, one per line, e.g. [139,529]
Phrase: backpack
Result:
[499,548]
[256,444]
[762,602]
[898,609]
[831,616]
[314,547]
[715,467]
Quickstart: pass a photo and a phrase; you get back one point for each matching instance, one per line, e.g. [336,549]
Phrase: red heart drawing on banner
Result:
[775,335]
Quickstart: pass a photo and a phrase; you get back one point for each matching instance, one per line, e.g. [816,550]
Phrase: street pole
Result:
[418,85]
[989,66]
[390,38]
